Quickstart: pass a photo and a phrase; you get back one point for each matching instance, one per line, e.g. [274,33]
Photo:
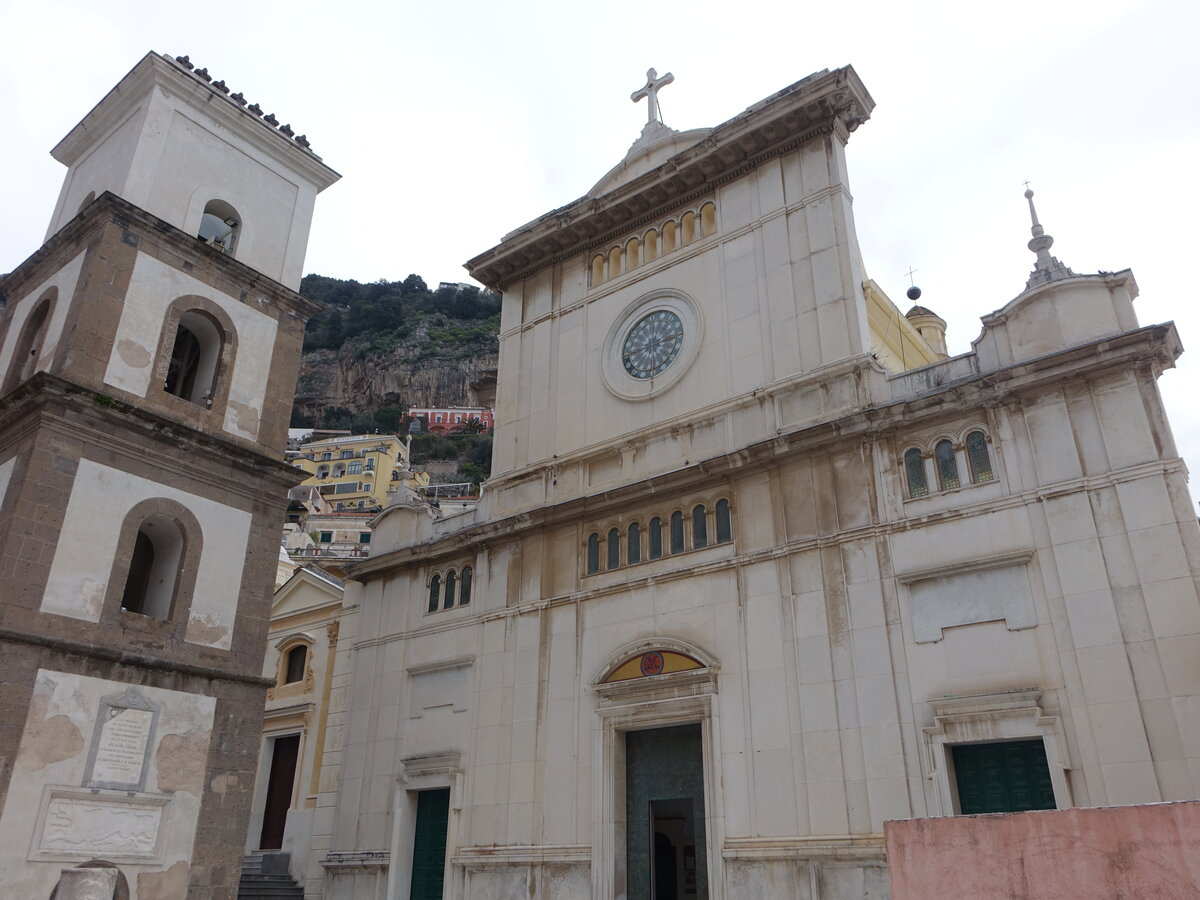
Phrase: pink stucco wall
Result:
[1129,852]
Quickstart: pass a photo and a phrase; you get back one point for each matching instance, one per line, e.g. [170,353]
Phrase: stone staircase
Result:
[265,875]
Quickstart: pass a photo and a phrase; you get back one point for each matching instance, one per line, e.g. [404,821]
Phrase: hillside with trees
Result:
[380,348]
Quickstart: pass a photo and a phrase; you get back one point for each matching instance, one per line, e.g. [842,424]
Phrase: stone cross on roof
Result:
[650,92]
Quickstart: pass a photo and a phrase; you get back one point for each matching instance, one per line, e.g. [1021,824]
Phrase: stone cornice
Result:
[104,421]
[1156,342]
[108,207]
[825,103]
[158,70]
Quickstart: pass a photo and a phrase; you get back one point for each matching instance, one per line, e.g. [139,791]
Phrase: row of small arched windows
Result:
[679,532]
[654,242]
[451,590]
[924,469]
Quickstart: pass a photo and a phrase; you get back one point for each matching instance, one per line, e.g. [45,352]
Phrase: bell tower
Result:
[148,354]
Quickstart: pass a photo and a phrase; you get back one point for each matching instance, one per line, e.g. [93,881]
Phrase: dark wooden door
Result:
[284,751]
[1007,777]
[429,845]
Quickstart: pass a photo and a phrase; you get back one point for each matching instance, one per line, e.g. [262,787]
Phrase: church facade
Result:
[148,358]
[759,568]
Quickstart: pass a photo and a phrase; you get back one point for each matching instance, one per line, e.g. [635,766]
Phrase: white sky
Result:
[454,123]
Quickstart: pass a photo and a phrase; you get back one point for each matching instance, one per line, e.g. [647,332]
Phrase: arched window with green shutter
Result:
[677,532]
[947,466]
[978,458]
[464,591]
[633,544]
[724,525]
[593,554]
[699,527]
[654,538]
[914,472]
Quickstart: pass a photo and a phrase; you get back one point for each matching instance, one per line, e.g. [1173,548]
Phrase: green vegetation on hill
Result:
[375,317]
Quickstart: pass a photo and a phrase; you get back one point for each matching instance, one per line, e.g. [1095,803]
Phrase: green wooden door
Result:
[429,845]
[1008,777]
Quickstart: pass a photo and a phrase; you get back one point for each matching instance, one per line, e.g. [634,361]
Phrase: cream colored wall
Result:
[171,156]
[101,497]
[778,288]
[153,286]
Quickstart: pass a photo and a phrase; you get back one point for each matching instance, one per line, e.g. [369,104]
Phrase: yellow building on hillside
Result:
[357,471]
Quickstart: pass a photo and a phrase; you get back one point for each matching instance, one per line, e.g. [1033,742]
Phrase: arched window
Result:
[598,269]
[322,471]
[614,548]
[29,344]
[699,527]
[947,466]
[464,592]
[633,253]
[978,458]
[87,201]
[708,219]
[633,544]
[339,470]
[687,227]
[654,530]
[451,584]
[914,472]
[593,554]
[154,568]
[195,355]
[650,245]
[435,592]
[220,226]
[668,239]
[724,525]
[297,657]
[677,532]
[614,262]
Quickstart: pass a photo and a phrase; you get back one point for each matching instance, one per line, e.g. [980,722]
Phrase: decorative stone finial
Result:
[650,92]
[1047,268]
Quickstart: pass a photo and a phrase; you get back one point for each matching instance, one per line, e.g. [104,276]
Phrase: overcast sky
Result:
[453,123]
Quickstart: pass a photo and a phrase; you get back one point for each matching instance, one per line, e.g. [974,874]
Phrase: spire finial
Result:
[1047,268]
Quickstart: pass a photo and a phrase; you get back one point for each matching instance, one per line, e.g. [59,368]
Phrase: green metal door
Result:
[1008,777]
[429,845]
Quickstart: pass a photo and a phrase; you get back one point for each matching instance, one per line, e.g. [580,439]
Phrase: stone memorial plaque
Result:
[122,741]
[121,749]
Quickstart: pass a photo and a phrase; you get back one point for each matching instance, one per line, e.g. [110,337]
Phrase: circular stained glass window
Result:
[652,344]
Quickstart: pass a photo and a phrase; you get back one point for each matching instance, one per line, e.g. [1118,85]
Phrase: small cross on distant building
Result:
[910,273]
[650,92]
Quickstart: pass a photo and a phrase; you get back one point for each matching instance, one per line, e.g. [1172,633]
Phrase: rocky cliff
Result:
[362,378]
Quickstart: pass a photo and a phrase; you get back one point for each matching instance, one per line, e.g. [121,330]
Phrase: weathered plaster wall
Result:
[64,280]
[1133,851]
[101,497]
[152,288]
[52,820]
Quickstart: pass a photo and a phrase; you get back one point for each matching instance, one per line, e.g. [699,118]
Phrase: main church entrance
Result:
[666,858]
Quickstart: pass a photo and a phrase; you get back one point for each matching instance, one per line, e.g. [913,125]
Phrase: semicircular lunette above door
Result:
[648,663]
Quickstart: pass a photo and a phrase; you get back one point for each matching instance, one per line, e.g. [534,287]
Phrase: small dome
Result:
[920,311]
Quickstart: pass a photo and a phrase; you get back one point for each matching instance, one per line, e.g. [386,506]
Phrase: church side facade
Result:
[741,589]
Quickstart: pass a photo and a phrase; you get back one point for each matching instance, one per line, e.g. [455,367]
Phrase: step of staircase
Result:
[265,877]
